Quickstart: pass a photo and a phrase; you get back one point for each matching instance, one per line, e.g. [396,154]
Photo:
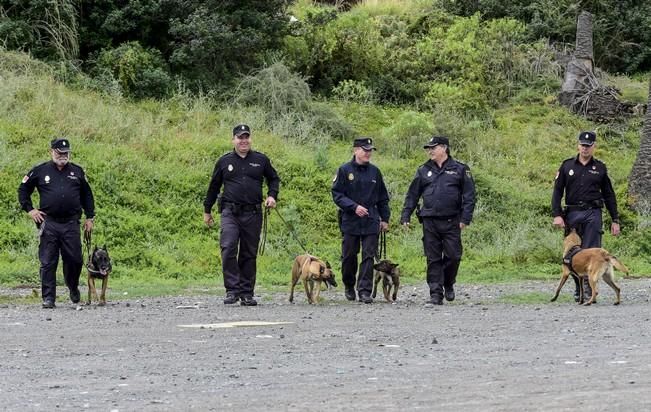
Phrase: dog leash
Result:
[88,241]
[381,252]
[263,242]
[291,230]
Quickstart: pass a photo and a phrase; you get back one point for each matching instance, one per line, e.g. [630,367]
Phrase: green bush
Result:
[140,72]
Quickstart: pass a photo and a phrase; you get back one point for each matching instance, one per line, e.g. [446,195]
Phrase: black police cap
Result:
[241,129]
[60,144]
[365,143]
[437,140]
[587,138]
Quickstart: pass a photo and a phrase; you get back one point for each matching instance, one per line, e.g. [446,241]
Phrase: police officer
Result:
[587,188]
[240,173]
[64,192]
[448,193]
[358,190]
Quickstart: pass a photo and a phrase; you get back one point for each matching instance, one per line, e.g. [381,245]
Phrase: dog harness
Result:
[567,259]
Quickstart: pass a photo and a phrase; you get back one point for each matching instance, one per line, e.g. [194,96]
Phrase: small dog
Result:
[593,263]
[390,275]
[99,267]
[312,271]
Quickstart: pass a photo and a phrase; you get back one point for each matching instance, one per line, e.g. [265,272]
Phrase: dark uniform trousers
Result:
[588,224]
[443,249]
[239,232]
[64,238]
[349,249]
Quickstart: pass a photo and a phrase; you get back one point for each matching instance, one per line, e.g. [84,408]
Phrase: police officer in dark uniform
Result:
[241,173]
[64,192]
[588,189]
[448,193]
[358,190]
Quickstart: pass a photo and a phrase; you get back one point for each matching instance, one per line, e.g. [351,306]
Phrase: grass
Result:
[149,164]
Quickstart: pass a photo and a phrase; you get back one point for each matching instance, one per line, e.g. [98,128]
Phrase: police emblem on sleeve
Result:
[351,177]
[47,179]
[25,179]
[230,168]
[429,174]
[468,174]
[571,173]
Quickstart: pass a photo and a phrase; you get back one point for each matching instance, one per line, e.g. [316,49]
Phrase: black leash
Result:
[291,230]
[87,242]
[263,242]
[381,252]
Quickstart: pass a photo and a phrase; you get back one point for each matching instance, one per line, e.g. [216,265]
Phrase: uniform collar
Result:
[359,165]
[590,162]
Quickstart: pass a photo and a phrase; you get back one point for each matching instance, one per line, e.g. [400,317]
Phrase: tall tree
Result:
[639,183]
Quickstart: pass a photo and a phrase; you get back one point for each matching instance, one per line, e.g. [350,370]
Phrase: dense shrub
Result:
[139,72]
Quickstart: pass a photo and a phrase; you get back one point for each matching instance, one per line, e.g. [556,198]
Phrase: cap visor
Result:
[586,142]
[64,150]
[367,148]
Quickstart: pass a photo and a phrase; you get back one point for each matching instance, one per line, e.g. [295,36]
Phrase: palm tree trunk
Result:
[639,183]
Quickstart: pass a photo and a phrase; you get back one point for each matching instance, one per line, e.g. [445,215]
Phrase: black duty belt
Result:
[593,204]
[62,219]
[237,208]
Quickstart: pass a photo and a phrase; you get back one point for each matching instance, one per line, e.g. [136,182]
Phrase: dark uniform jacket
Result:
[447,192]
[63,193]
[585,186]
[242,179]
[356,184]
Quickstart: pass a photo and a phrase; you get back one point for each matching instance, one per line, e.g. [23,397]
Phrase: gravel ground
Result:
[475,354]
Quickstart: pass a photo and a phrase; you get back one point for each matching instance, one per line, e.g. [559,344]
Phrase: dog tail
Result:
[618,265]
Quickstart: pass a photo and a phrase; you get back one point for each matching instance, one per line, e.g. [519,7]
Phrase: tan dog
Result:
[390,275]
[312,271]
[99,267]
[593,263]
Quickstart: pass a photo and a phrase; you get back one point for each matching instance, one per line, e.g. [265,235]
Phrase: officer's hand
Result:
[37,216]
[615,229]
[208,220]
[558,221]
[361,211]
[462,225]
[88,225]
[384,226]
[405,225]
[270,202]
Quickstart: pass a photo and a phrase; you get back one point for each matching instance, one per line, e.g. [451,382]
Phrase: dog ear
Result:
[95,249]
[328,265]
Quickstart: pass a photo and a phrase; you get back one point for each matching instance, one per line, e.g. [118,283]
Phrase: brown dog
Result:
[390,275]
[312,271]
[99,267]
[593,263]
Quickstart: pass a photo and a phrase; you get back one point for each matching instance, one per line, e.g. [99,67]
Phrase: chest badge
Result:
[351,177]
[230,168]
[571,173]
[429,174]
[47,179]
[72,173]
[594,167]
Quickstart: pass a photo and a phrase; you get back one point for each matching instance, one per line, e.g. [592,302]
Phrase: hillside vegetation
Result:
[149,161]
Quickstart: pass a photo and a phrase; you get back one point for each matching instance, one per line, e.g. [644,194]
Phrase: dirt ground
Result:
[475,354]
